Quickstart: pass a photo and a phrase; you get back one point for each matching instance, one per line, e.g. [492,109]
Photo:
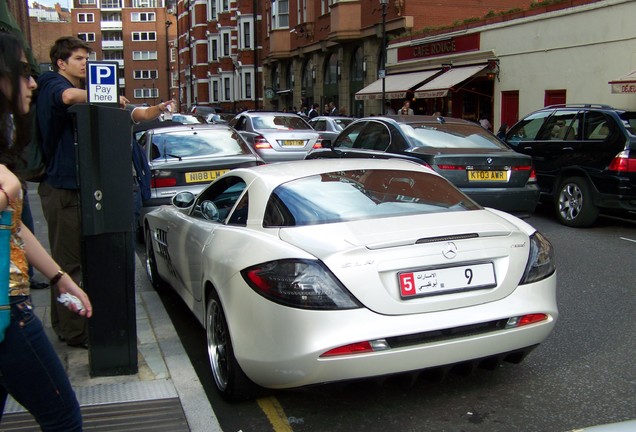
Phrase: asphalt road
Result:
[583,375]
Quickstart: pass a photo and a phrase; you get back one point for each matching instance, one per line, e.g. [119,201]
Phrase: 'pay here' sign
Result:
[102,83]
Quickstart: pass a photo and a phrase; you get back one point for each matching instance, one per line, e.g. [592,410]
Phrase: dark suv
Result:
[584,157]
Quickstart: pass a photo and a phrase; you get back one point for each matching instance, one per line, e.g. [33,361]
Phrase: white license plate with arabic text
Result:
[450,279]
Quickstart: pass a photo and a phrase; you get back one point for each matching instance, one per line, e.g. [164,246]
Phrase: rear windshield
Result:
[198,143]
[281,122]
[361,194]
[629,119]
[451,136]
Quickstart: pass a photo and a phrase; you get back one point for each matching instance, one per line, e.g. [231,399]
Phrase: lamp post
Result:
[168,24]
[383,52]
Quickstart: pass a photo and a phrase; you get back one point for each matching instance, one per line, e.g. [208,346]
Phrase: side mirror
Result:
[183,200]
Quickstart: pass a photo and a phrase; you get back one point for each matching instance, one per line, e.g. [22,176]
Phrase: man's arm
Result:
[142,114]
[72,96]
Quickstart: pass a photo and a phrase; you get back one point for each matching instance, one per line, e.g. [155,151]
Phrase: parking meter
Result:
[103,137]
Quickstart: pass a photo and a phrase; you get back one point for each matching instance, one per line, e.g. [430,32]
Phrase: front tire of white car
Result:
[230,379]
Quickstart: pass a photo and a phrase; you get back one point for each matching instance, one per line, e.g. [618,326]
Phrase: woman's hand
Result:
[67,285]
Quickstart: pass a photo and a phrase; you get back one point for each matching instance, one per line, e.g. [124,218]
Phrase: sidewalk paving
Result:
[165,394]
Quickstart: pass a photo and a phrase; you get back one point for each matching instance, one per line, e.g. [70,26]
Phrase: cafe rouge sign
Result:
[442,47]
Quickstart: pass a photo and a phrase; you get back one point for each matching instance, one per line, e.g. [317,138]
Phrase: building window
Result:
[145,74]
[247,81]
[213,55]
[226,44]
[108,4]
[173,54]
[144,55]
[85,17]
[215,91]
[225,5]
[146,93]
[173,79]
[143,17]
[111,17]
[111,36]
[113,55]
[144,3]
[227,89]
[144,36]
[87,2]
[211,10]
[86,37]
[245,34]
[280,14]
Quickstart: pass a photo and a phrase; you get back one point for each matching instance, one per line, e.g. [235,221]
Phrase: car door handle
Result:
[568,148]
[527,148]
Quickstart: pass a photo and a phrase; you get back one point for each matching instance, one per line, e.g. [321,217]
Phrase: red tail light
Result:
[163,182]
[261,143]
[623,163]
[318,143]
[533,175]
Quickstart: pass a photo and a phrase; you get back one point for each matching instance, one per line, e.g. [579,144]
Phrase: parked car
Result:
[219,118]
[277,136]
[310,272]
[584,157]
[188,158]
[329,127]
[471,157]
[205,110]
[188,119]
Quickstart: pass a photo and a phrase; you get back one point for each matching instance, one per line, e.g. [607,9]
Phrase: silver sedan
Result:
[277,136]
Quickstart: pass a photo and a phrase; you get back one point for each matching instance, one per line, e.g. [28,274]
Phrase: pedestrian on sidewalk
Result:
[30,369]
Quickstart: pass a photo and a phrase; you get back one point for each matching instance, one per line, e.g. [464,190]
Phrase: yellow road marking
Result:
[275,414]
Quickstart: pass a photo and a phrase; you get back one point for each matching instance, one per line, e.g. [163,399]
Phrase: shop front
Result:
[463,83]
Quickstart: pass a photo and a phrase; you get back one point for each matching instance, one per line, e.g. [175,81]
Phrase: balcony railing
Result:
[111,25]
[112,44]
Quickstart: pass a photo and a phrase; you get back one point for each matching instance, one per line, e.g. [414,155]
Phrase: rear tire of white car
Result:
[574,206]
[151,265]
[230,379]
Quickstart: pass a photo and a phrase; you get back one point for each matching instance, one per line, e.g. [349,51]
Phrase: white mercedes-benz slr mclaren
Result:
[320,271]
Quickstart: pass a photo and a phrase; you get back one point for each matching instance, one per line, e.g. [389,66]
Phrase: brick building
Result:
[296,52]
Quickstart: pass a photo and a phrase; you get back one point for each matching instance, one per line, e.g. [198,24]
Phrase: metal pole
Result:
[383,65]
[257,82]
[168,95]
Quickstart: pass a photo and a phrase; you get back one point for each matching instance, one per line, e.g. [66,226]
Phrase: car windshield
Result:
[450,136]
[281,122]
[198,143]
[361,194]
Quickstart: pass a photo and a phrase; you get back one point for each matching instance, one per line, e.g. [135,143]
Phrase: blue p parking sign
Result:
[102,83]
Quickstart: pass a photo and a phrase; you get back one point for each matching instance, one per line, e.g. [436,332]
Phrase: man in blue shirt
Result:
[59,191]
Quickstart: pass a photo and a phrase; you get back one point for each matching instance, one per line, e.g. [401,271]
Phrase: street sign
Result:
[102,83]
